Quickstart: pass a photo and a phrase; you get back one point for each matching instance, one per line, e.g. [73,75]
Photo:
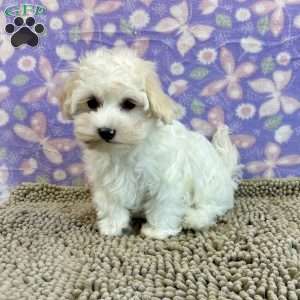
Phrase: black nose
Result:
[106,134]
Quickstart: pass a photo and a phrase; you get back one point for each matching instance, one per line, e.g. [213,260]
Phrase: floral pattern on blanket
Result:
[225,61]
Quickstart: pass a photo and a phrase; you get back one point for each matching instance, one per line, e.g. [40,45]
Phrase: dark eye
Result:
[93,103]
[128,104]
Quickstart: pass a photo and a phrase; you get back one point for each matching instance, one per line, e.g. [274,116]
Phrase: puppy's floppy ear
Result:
[161,105]
[64,95]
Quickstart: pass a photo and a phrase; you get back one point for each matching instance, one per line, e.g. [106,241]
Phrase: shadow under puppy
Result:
[138,158]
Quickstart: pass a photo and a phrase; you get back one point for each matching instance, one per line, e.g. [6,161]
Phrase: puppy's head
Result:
[115,97]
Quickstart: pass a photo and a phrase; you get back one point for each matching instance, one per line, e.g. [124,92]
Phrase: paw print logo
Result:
[24,32]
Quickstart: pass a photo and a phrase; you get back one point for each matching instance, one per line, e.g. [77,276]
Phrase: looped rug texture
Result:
[50,249]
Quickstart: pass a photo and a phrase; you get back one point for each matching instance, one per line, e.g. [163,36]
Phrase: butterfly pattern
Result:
[51,81]
[207,7]
[272,161]
[274,90]
[232,78]
[276,9]
[188,33]
[6,49]
[85,15]
[233,62]
[215,118]
[36,133]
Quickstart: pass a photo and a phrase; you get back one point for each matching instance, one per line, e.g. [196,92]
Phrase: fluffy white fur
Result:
[153,165]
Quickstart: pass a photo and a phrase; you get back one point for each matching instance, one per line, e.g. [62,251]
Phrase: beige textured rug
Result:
[50,249]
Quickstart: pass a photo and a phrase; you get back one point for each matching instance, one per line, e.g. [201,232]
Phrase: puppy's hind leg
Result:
[206,213]
[199,218]
[164,213]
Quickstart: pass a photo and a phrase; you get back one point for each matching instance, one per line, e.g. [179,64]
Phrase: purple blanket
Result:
[232,61]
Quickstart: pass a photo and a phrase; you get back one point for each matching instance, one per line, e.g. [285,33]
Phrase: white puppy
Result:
[138,159]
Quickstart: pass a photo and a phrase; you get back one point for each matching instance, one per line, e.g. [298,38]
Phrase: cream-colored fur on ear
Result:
[161,105]
[64,95]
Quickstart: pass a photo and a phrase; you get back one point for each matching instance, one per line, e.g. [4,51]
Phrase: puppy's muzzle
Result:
[107,134]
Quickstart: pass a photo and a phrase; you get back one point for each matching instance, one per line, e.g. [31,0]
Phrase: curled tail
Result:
[228,152]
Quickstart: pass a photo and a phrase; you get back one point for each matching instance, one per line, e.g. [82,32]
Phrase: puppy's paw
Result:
[157,233]
[198,219]
[113,227]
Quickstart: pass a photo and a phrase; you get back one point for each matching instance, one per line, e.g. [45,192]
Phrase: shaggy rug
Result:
[50,249]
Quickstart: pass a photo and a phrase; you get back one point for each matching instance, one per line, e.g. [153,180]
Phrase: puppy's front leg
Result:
[164,214]
[113,219]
